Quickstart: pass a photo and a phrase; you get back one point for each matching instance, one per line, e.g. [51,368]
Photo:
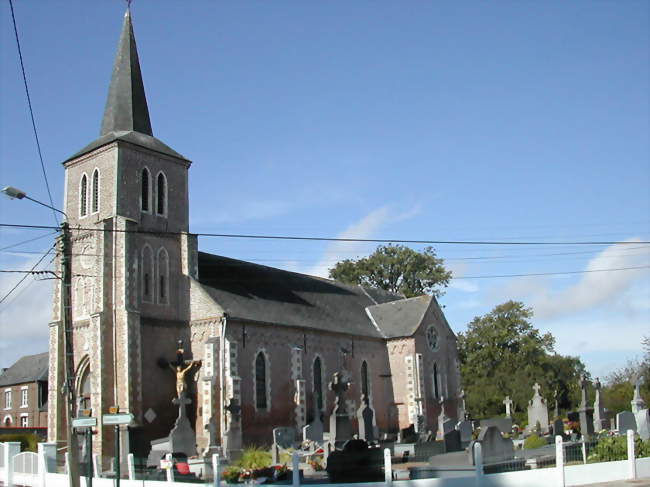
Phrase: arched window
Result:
[83,196]
[95,198]
[260,381]
[364,379]
[163,275]
[436,386]
[318,383]
[161,194]
[84,388]
[147,274]
[145,190]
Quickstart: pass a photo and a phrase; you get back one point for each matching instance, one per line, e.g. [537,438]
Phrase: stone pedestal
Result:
[586,421]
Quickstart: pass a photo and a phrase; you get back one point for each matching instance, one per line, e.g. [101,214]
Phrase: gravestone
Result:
[556,411]
[600,421]
[314,430]
[495,448]
[586,413]
[442,418]
[284,438]
[558,427]
[642,418]
[537,412]
[637,401]
[452,441]
[625,421]
[356,462]
[503,424]
[340,424]
[365,416]
[465,429]
[462,411]
[508,403]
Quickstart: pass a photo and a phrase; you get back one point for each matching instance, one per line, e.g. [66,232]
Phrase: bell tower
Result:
[126,197]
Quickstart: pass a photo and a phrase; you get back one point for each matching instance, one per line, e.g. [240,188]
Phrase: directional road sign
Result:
[84,422]
[121,418]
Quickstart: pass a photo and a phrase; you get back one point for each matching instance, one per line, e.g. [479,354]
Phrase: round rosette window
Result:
[432,337]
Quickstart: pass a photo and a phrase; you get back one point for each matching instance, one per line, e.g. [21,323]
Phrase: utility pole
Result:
[66,285]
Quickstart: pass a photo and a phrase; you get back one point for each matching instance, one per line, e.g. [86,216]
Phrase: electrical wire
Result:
[25,276]
[26,241]
[554,273]
[332,239]
[31,111]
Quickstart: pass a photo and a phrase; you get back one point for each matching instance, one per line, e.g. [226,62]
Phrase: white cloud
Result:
[596,288]
[364,228]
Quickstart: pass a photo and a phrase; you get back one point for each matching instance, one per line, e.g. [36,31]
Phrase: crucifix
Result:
[338,386]
[583,388]
[508,402]
[181,367]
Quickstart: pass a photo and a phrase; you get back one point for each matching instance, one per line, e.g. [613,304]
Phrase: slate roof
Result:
[30,368]
[126,115]
[400,318]
[264,294]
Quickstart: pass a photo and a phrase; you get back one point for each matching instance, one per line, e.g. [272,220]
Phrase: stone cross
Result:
[233,408]
[583,388]
[338,386]
[536,388]
[637,401]
[508,402]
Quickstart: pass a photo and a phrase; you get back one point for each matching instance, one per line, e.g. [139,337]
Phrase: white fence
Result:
[37,470]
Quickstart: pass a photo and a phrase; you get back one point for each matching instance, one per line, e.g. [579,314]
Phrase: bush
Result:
[614,448]
[28,441]
[534,441]
[253,458]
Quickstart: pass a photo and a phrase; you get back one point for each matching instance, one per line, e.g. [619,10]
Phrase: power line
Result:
[26,241]
[31,111]
[332,239]
[25,276]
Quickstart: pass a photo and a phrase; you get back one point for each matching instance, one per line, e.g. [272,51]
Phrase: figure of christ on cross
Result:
[338,386]
[181,371]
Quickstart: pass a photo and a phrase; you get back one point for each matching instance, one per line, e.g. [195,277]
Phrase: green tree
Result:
[619,385]
[398,269]
[501,354]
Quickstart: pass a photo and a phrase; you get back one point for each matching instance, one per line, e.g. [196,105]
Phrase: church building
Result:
[265,341]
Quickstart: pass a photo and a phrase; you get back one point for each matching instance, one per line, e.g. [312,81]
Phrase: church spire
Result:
[126,107]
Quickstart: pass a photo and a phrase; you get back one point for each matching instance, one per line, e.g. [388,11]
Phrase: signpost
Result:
[117,419]
[86,425]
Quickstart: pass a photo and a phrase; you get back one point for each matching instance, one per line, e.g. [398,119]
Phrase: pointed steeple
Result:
[126,107]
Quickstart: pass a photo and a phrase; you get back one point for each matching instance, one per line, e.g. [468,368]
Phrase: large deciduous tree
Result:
[502,354]
[619,384]
[398,269]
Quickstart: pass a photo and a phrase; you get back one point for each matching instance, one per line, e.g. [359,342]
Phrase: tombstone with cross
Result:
[537,412]
[340,424]
[508,403]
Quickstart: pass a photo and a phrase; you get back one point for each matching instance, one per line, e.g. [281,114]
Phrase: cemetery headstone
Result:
[284,438]
[340,424]
[586,413]
[356,462]
[625,420]
[442,418]
[314,431]
[495,447]
[462,411]
[508,403]
[465,429]
[556,411]
[643,424]
[558,427]
[503,424]
[600,421]
[366,416]
[637,401]
[537,411]
[452,441]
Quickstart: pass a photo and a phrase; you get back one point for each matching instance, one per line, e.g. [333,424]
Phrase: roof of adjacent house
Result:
[30,368]
[259,293]
[400,318]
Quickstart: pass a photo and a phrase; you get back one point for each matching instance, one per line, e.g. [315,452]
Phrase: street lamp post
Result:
[66,281]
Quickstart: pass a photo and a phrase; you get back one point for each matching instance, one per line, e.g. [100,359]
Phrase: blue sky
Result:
[500,121]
